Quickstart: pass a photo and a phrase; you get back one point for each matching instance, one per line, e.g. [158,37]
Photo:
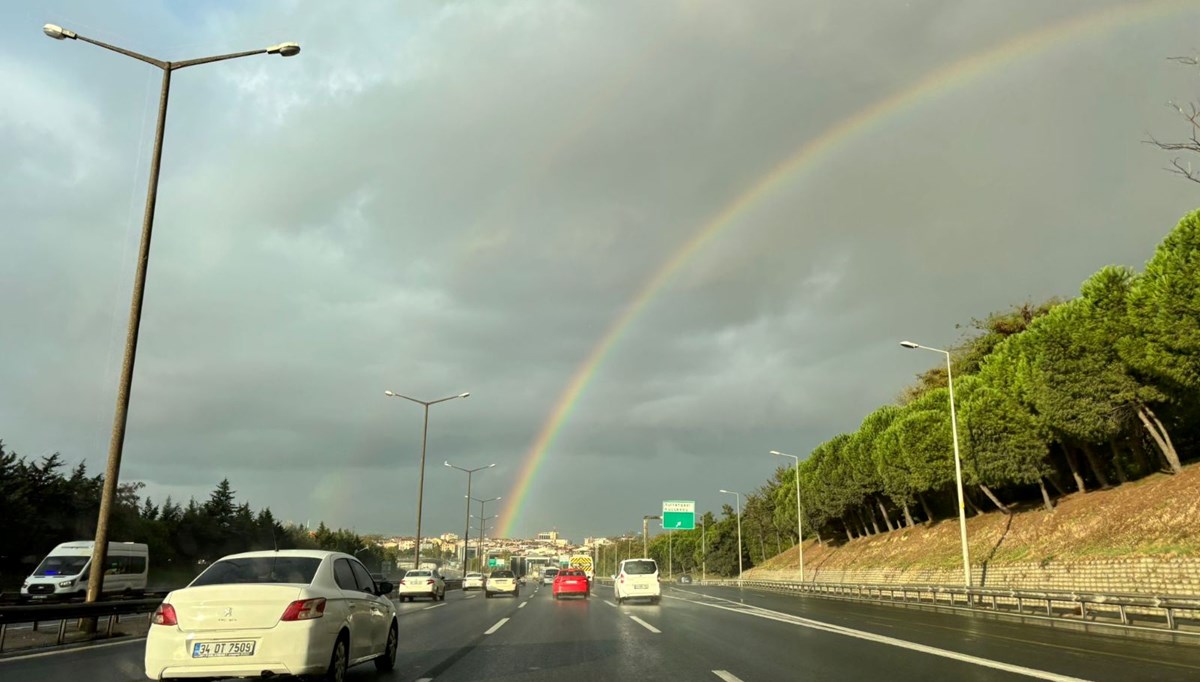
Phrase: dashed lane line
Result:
[646,625]
[433,607]
[727,676]
[522,605]
[610,603]
[496,627]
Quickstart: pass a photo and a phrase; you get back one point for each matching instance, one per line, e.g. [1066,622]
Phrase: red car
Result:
[571,581]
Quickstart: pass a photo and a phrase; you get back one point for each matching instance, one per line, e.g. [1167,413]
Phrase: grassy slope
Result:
[1156,516]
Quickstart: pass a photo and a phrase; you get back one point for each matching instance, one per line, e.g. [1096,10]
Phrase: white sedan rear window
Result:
[291,570]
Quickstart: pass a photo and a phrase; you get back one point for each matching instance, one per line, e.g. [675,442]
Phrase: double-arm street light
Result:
[117,443]
[962,511]
[467,527]
[470,499]
[424,441]
[799,528]
[482,530]
[738,498]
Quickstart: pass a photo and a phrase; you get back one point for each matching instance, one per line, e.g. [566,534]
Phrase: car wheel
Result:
[585,595]
[487,595]
[337,662]
[387,660]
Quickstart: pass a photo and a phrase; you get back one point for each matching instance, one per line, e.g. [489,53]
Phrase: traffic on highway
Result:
[656,240]
[694,633]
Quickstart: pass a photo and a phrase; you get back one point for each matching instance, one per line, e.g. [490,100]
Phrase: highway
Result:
[703,633]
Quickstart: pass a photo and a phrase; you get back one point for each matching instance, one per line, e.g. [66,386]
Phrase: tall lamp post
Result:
[703,550]
[646,533]
[424,441]
[116,444]
[738,498]
[467,527]
[962,511]
[478,553]
[483,520]
[799,529]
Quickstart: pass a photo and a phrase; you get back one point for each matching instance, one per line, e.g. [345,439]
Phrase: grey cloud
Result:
[466,196]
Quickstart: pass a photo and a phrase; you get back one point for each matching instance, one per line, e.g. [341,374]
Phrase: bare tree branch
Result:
[1192,143]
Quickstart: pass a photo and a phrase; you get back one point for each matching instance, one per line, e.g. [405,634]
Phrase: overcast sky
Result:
[463,196]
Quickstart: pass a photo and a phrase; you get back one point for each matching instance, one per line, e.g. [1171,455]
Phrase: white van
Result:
[64,572]
[637,579]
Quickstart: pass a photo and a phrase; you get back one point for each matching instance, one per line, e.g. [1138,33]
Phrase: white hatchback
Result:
[473,581]
[637,579]
[289,612]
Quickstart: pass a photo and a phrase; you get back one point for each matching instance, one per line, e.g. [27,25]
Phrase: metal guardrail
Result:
[1169,612]
[64,612]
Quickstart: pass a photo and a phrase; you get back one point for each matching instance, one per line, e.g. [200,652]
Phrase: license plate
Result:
[220,649]
[641,587]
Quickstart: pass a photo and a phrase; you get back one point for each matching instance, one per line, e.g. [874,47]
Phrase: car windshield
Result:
[61,565]
[551,571]
[642,567]
[284,569]
[502,574]
[418,574]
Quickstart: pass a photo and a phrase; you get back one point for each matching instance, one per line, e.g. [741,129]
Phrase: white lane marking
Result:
[470,596]
[727,676]
[646,625]
[610,603]
[497,626]
[425,679]
[882,639]
[522,605]
[71,650]
[433,607]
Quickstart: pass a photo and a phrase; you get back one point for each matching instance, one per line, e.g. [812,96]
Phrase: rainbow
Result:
[939,82]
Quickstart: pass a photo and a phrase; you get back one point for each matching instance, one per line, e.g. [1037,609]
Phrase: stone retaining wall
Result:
[1153,575]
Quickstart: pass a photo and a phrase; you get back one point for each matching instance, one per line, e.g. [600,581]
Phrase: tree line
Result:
[46,504]
[1054,398]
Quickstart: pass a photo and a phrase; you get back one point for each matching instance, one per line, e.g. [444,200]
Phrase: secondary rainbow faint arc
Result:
[945,79]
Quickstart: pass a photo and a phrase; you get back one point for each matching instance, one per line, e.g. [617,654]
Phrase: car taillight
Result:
[304,609]
[622,577]
[428,582]
[164,615]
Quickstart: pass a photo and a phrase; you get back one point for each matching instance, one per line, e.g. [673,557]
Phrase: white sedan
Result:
[288,612]
[473,581]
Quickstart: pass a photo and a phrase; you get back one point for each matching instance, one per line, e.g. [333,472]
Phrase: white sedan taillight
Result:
[304,609]
[164,615]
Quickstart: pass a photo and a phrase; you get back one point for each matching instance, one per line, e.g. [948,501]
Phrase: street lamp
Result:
[645,534]
[116,444]
[962,512]
[481,520]
[421,483]
[738,498]
[799,536]
[467,527]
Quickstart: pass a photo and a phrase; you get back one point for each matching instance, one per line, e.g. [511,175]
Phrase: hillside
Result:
[1157,516]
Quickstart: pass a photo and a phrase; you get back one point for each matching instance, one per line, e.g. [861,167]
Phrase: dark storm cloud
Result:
[465,196]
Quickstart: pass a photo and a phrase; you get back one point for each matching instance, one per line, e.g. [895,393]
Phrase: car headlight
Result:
[67,583]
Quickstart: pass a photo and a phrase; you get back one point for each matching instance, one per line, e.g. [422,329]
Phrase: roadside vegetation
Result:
[50,505]
[1054,399]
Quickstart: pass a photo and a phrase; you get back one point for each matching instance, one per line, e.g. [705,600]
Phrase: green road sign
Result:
[679,515]
[493,562]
